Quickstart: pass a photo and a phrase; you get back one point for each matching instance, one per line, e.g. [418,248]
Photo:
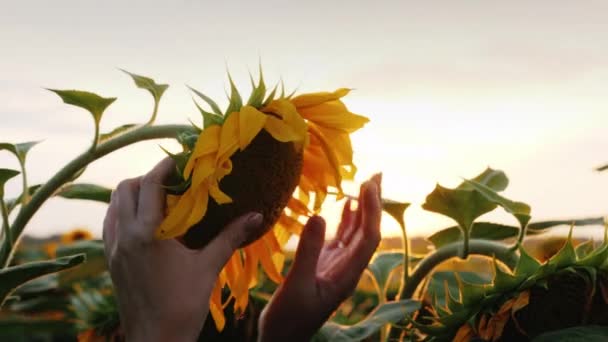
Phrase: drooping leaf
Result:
[236,102]
[463,206]
[395,209]
[214,107]
[388,313]
[494,179]
[93,103]
[586,333]
[116,132]
[143,82]
[94,265]
[19,150]
[85,191]
[439,279]
[520,210]
[13,277]
[480,230]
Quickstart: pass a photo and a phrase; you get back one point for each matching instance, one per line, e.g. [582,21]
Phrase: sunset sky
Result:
[450,87]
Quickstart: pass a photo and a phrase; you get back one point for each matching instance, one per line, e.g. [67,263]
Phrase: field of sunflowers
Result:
[475,280]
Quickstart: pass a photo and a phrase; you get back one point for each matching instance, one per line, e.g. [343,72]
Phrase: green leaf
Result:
[94,265]
[520,210]
[388,313]
[539,226]
[93,103]
[270,96]
[13,277]
[236,102]
[437,284]
[214,107]
[383,264]
[566,256]
[19,150]
[5,176]
[463,206]
[480,230]
[493,179]
[586,333]
[85,191]
[209,119]
[396,210]
[115,132]
[526,265]
[259,91]
[143,82]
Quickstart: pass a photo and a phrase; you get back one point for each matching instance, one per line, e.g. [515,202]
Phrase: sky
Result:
[450,87]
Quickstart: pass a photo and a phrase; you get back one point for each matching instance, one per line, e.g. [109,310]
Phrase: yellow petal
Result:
[205,167]
[330,155]
[266,260]
[208,142]
[218,195]
[335,115]
[215,306]
[251,123]
[313,99]
[176,217]
[290,127]
[229,137]
[201,199]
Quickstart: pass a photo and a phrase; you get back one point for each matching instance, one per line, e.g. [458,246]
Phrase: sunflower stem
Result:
[154,112]
[69,170]
[5,225]
[26,194]
[465,242]
[452,250]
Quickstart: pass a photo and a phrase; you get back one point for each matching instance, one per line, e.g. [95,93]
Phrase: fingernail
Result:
[254,220]
[377,178]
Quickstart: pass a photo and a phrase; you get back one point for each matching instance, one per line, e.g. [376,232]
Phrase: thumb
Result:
[221,248]
[311,242]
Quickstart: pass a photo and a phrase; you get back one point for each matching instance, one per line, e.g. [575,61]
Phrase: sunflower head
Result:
[266,154]
[76,234]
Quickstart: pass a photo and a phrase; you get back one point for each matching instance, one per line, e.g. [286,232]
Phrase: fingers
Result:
[127,192]
[346,224]
[221,248]
[307,255]
[152,194]
[109,225]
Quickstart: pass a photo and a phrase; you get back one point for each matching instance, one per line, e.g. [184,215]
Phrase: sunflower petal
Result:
[313,99]
[335,115]
[229,137]
[208,142]
[251,122]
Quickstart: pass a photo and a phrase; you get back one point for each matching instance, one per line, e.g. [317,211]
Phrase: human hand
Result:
[324,274]
[163,288]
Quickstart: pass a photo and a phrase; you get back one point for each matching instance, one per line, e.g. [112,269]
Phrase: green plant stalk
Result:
[406,259]
[95,138]
[5,224]
[67,172]
[154,112]
[477,247]
[466,237]
[26,195]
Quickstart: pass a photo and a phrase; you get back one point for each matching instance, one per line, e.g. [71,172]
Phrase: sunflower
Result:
[76,234]
[288,151]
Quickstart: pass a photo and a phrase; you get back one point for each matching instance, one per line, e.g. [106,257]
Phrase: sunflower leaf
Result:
[209,119]
[5,176]
[236,102]
[143,82]
[526,265]
[388,313]
[214,107]
[13,202]
[494,179]
[502,280]
[480,230]
[94,265]
[565,256]
[520,210]
[19,150]
[382,266]
[270,96]
[396,210]
[85,191]
[587,333]
[93,103]
[259,91]
[15,276]
[463,206]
